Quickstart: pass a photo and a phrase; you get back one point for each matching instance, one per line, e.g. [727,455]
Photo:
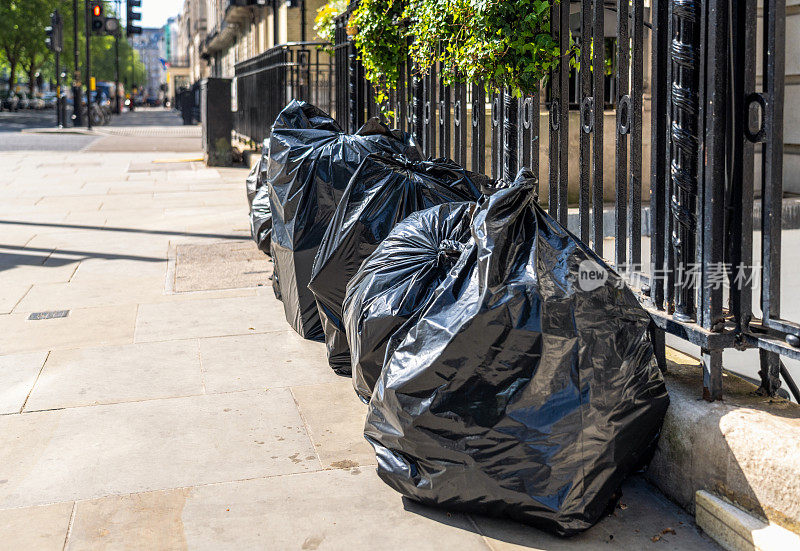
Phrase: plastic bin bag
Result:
[528,387]
[396,282]
[382,192]
[258,198]
[310,163]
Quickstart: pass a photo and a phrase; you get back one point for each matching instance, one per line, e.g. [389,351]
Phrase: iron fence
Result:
[694,268]
[264,84]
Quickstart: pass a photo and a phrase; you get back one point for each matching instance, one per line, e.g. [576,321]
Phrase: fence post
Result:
[215,113]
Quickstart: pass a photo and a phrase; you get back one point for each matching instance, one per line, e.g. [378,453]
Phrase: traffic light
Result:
[54,39]
[98,22]
[133,17]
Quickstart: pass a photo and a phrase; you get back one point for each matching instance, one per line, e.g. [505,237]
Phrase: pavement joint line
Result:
[202,371]
[70,524]
[189,487]
[305,426]
[478,531]
[13,308]
[144,400]
[33,386]
[162,398]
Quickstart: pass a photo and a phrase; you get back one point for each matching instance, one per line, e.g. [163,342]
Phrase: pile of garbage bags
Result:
[397,281]
[258,199]
[525,388]
[382,192]
[508,370]
[310,163]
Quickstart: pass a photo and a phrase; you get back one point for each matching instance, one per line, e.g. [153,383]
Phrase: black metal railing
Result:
[706,120]
[265,83]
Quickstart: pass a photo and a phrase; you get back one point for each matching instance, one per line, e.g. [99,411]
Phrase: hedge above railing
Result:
[502,43]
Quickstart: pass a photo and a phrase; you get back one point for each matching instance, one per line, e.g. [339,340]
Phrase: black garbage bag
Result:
[396,281]
[310,163]
[528,387]
[258,197]
[383,191]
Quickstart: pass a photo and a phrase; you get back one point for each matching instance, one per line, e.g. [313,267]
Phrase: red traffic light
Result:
[97,11]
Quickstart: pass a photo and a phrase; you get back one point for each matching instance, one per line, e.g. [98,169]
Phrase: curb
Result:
[743,449]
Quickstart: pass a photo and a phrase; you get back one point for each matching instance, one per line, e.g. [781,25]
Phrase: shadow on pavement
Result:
[124,230]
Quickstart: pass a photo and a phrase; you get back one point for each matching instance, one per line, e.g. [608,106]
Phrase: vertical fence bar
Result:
[478,136]
[524,123]
[418,109]
[635,187]
[739,233]
[430,111]
[598,78]
[563,101]
[402,105]
[510,121]
[444,120]
[554,86]
[460,124]
[586,119]
[623,102]
[535,141]
[497,134]
[685,110]
[668,262]
[713,205]
[772,183]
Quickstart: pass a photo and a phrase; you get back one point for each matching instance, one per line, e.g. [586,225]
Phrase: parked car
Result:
[37,103]
[49,99]
[24,101]
[10,101]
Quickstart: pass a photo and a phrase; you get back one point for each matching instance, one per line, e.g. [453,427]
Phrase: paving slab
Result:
[220,265]
[208,318]
[113,374]
[92,292]
[328,510]
[10,295]
[265,360]
[94,268]
[335,418]
[18,373]
[88,452]
[82,327]
[42,528]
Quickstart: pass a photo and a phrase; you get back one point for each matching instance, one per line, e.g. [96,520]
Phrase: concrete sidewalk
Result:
[172,407]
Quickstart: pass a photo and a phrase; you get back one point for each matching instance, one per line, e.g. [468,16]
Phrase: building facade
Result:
[150,47]
[217,34]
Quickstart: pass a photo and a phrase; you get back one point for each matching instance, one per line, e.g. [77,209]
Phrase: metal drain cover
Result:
[48,315]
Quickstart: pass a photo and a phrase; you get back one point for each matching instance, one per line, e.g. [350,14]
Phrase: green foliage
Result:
[380,37]
[502,43]
[324,22]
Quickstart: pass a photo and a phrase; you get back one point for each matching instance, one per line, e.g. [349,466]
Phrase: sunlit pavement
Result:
[166,404]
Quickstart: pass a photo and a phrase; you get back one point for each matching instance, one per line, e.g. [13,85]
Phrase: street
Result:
[153,394]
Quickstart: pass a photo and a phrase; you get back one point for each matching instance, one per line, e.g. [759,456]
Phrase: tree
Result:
[34,52]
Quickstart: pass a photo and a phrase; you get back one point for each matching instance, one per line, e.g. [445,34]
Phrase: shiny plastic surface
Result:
[258,198]
[396,282]
[526,388]
[382,192]
[310,163]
